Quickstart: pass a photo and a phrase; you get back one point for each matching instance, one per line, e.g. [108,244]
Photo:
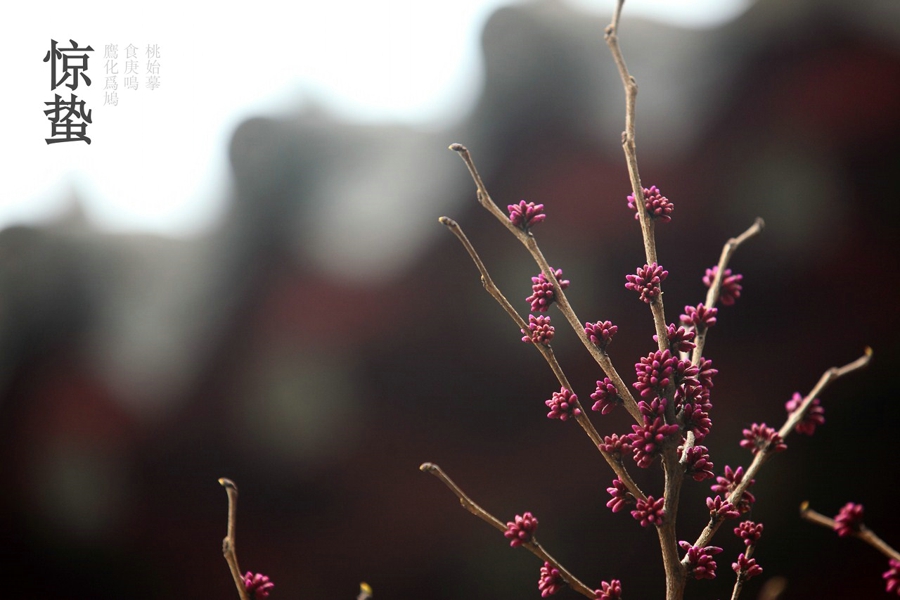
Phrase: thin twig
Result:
[527,239]
[712,296]
[547,352]
[629,146]
[739,581]
[228,544]
[793,419]
[864,533]
[674,473]
[533,546]
[830,375]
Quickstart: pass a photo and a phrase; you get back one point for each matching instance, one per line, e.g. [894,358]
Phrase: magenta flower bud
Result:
[562,405]
[720,509]
[892,577]
[649,511]
[727,483]
[654,372]
[521,530]
[815,414]
[542,294]
[746,568]
[731,285]
[700,560]
[540,331]
[646,281]
[679,338]
[699,316]
[550,581]
[646,442]
[621,497]
[525,215]
[656,408]
[257,585]
[615,445]
[696,418]
[706,372]
[697,463]
[849,520]
[749,531]
[606,396]
[609,591]
[658,206]
[600,333]
[761,437]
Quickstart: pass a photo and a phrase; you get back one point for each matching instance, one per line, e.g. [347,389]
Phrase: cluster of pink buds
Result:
[658,206]
[258,585]
[520,530]
[525,215]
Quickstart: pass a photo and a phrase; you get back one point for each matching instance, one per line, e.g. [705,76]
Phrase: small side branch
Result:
[741,577]
[793,419]
[533,546]
[830,375]
[547,352]
[712,296]
[228,544]
[561,301]
[864,533]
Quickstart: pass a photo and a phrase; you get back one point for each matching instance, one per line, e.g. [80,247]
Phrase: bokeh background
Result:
[325,335]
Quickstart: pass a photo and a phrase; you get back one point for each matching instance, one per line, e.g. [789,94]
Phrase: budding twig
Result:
[547,352]
[766,451]
[532,546]
[648,234]
[863,533]
[712,296]
[741,578]
[228,544]
[527,239]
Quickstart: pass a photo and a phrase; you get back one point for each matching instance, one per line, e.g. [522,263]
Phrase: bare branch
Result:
[228,544]
[864,533]
[547,352]
[527,239]
[533,546]
[712,296]
[734,497]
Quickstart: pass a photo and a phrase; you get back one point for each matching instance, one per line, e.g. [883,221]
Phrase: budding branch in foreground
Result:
[673,382]
[532,545]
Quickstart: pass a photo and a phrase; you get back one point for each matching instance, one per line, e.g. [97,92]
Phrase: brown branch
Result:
[547,352]
[740,579]
[674,472]
[864,533]
[648,234]
[712,296]
[228,544]
[830,375]
[533,546]
[561,301]
[793,419]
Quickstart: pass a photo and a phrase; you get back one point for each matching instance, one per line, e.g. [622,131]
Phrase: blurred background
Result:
[243,276]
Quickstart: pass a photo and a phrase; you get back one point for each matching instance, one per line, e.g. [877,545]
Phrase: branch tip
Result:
[457,147]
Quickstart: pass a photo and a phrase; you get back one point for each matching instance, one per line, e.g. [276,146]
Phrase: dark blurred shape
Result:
[331,336]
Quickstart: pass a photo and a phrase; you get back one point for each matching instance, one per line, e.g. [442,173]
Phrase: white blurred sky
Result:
[157,161]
